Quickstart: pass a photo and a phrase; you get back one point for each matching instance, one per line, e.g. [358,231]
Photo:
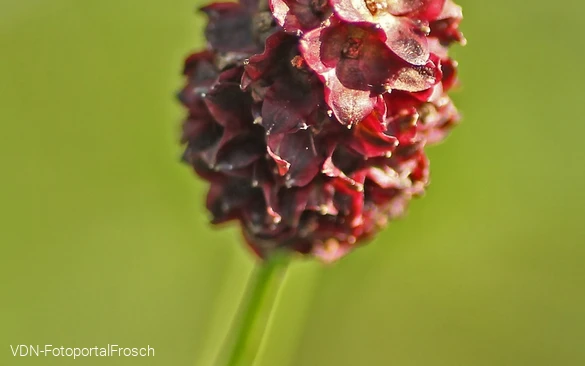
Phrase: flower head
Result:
[309,119]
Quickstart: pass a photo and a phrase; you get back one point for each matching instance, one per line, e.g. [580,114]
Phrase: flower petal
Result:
[405,39]
[350,106]
[239,152]
[369,141]
[353,11]
[287,108]
[296,16]
[416,78]
[230,106]
[402,35]
[420,9]
[311,48]
[374,65]
[229,28]
[299,155]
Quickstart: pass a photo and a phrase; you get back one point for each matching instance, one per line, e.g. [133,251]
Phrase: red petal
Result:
[275,48]
[287,107]
[420,9]
[281,12]
[239,152]
[230,106]
[229,28]
[296,16]
[415,78]
[297,155]
[310,46]
[350,106]
[353,11]
[402,35]
[372,67]
[195,59]
[405,39]
[369,141]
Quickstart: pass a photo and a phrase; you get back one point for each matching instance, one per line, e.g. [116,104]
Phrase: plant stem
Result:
[255,309]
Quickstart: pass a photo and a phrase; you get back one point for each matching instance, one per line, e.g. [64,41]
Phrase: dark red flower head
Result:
[309,118]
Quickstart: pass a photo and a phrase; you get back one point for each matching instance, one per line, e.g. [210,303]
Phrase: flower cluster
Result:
[309,118]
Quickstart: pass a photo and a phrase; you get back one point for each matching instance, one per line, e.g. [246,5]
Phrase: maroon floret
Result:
[356,66]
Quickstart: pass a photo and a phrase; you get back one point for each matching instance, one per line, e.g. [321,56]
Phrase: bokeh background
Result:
[104,238]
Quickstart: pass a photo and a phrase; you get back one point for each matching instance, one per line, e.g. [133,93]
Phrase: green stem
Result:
[262,289]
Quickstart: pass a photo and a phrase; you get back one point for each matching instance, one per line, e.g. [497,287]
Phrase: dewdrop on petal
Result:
[309,118]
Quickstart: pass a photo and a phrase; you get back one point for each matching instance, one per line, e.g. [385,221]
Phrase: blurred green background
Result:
[104,238]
